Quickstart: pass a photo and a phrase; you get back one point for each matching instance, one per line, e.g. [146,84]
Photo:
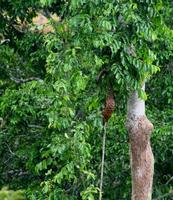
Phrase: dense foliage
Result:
[50,101]
[6,194]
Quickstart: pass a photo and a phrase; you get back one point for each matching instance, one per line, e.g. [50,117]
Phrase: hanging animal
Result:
[109,106]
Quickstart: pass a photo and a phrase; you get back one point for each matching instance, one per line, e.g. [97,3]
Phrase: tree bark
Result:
[141,156]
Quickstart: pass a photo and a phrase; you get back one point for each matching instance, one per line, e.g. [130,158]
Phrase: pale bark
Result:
[142,161]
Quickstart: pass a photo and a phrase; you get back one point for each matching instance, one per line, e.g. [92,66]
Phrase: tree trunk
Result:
[142,161]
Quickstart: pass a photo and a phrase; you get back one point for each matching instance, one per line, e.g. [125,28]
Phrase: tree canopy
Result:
[51,101]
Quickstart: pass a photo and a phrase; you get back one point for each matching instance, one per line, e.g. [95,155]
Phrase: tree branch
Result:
[16,80]
[163,196]
[35,126]
[4,41]
[169,180]
[102,72]
[12,153]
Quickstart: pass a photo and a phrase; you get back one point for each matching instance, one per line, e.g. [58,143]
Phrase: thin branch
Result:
[165,195]
[5,41]
[35,126]
[102,162]
[18,172]
[16,80]
[102,72]
[169,180]
[12,153]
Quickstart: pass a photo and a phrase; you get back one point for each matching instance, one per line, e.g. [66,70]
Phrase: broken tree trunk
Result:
[142,161]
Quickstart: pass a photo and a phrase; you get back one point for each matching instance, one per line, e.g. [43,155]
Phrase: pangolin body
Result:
[109,107]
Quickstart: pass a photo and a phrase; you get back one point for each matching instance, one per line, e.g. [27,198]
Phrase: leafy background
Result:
[51,127]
